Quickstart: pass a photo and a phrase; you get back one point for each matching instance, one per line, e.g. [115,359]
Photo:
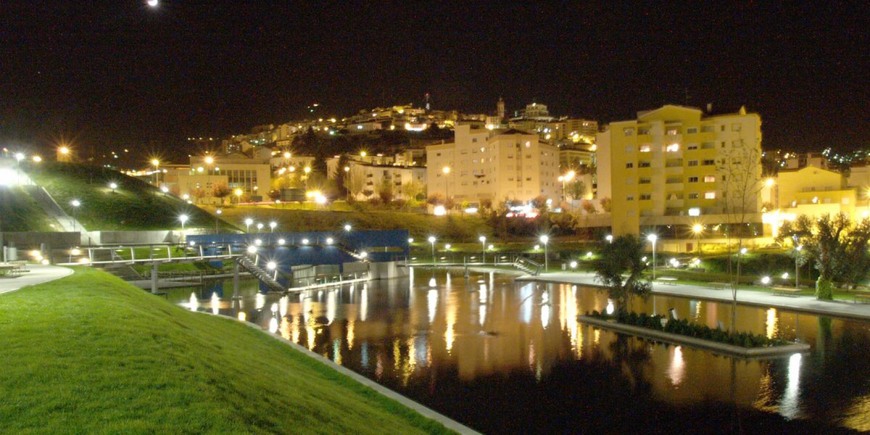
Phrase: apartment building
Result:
[675,166]
[492,165]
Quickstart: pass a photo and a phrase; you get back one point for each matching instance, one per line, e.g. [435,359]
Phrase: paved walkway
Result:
[36,274]
[807,304]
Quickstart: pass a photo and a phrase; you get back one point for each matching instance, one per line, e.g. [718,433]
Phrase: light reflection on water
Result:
[414,337]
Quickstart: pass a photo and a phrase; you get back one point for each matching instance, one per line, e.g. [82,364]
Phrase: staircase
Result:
[257,271]
[527,266]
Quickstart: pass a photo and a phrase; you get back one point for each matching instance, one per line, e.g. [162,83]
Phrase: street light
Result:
[156,164]
[797,249]
[446,171]
[347,227]
[609,238]
[183,218]
[482,248]
[698,229]
[272,226]
[238,193]
[216,214]
[545,239]
[248,222]
[113,186]
[432,242]
[652,238]
[75,204]
[565,179]
[259,226]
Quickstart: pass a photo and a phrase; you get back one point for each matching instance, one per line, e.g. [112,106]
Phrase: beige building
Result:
[673,166]
[493,165]
[249,175]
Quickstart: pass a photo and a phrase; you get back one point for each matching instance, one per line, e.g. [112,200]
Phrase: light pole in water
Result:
[652,238]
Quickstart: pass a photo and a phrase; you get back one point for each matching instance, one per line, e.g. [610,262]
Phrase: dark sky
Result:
[120,74]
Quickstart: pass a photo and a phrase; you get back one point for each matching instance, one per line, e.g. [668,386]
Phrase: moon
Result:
[153,3]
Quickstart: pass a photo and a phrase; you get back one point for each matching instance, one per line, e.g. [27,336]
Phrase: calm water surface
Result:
[503,356]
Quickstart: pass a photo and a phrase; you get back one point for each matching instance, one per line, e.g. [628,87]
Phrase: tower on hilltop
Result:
[499,108]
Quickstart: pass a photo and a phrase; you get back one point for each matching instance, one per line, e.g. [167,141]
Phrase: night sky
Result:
[115,74]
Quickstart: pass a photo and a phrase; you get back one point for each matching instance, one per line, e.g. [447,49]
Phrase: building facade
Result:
[493,166]
[675,166]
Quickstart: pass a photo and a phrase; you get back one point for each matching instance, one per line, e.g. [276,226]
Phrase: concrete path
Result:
[807,304]
[36,274]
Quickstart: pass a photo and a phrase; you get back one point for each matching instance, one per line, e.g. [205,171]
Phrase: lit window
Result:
[645,148]
[672,148]
[628,131]
[710,195]
[709,178]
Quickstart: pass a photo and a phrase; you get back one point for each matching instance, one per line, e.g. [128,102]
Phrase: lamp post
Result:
[272,226]
[797,253]
[248,222]
[75,204]
[216,214]
[113,185]
[652,238]
[259,227]
[183,218]
[482,248]
[446,171]
[609,238]
[432,242]
[545,239]
[156,164]
[697,229]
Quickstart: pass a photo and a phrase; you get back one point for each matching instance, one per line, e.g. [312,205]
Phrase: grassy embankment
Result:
[19,212]
[134,204]
[89,353]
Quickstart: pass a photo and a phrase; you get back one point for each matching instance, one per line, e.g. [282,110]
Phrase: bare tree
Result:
[739,170]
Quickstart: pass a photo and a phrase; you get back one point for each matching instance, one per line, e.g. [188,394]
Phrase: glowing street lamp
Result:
[75,204]
[238,193]
[446,171]
[482,248]
[652,238]
[156,164]
[113,186]
[272,226]
[216,214]
[259,226]
[545,239]
[347,227]
[432,240]
[697,229]
[248,222]
[183,218]
[609,238]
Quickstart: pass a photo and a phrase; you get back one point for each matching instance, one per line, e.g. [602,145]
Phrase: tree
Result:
[740,170]
[385,190]
[575,189]
[620,268]
[221,191]
[837,249]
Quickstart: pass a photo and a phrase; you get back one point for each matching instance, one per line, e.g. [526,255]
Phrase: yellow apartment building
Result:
[675,167]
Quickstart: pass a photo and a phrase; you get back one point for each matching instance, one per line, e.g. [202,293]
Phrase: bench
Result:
[11,270]
[861,297]
[784,291]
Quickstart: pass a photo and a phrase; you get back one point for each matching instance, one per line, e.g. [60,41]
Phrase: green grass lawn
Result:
[89,353]
[19,212]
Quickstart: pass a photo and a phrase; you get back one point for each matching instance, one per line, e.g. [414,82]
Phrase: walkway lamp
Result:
[347,227]
[75,204]
[432,240]
[183,218]
[217,213]
[248,222]
[482,248]
[259,226]
[156,164]
[609,238]
[697,229]
[652,239]
[113,185]
[272,226]
[545,239]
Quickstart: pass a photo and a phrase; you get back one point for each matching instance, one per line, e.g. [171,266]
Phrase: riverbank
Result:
[91,353]
[805,304]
